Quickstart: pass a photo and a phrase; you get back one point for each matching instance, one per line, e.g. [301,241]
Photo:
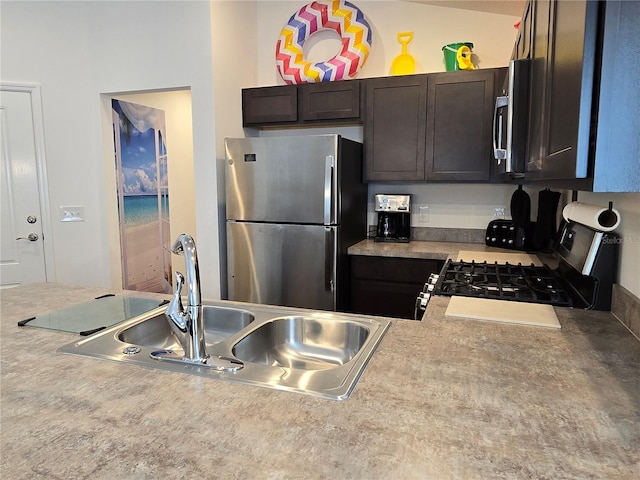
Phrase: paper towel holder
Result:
[608,218]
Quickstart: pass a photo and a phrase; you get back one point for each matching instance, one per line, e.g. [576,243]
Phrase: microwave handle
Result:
[499,153]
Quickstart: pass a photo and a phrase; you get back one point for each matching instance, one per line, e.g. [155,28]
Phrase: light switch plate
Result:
[72,213]
[423,213]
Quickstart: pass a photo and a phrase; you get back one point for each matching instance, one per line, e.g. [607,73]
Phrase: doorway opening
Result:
[150,194]
[143,196]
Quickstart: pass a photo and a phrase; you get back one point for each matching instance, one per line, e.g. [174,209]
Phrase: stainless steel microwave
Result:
[510,121]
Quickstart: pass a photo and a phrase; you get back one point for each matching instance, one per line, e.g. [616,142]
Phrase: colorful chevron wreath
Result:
[339,15]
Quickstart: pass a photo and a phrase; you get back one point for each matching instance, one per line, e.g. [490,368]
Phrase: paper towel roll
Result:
[593,216]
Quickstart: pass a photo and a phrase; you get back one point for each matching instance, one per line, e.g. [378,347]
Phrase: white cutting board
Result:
[492,257]
[504,311]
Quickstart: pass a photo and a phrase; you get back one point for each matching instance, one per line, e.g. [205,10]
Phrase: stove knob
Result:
[433,278]
[424,299]
[510,242]
[493,239]
[504,240]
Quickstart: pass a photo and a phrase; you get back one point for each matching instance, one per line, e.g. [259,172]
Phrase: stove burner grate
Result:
[524,283]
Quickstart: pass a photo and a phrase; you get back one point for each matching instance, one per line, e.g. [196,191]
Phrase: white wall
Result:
[78,50]
[34,51]
[234,67]
[493,36]
[628,204]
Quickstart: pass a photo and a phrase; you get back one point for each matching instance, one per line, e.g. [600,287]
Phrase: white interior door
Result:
[22,224]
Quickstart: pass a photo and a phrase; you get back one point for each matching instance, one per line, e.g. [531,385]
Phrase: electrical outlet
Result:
[423,213]
[72,214]
[499,212]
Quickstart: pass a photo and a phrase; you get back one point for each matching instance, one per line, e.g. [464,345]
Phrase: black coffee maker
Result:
[394,217]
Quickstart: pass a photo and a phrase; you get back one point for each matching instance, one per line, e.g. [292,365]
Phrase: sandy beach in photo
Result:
[143,254]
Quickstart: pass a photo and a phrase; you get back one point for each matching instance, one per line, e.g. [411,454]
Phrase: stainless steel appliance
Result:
[394,218]
[294,206]
[586,269]
[510,121]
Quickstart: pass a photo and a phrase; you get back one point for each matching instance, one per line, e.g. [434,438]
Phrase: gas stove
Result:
[521,283]
[586,269]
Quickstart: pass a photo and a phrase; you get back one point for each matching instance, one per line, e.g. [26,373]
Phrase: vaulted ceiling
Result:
[503,7]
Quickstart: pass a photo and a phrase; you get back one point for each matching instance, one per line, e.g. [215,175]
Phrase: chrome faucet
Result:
[188,323]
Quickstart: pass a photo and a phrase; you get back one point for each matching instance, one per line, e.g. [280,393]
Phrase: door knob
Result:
[32,237]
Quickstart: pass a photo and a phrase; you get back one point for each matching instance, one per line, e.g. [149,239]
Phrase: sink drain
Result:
[131,350]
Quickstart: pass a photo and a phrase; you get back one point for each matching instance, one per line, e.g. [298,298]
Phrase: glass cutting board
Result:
[90,317]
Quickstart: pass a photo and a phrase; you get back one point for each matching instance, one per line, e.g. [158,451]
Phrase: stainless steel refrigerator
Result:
[294,206]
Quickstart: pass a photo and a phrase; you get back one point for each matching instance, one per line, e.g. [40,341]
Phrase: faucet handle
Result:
[175,311]
[179,283]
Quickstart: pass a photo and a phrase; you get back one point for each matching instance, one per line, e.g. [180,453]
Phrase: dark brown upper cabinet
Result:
[299,105]
[583,132]
[427,127]
[330,100]
[430,127]
[563,71]
[459,120]
[395,128]
[269,105]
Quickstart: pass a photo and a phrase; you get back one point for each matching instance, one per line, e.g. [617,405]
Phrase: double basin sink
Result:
[316,353]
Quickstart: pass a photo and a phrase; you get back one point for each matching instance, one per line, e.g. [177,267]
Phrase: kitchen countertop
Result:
[441,398]
[417,249]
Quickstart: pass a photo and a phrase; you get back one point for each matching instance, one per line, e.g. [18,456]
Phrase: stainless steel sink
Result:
[316,353]
[306,343]
[219,323]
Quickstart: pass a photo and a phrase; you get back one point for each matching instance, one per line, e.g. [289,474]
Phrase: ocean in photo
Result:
[142,209]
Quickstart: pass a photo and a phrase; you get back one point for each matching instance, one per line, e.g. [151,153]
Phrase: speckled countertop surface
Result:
[413,249]
[442,398]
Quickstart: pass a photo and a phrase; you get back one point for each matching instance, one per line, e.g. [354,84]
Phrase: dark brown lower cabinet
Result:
[388,286]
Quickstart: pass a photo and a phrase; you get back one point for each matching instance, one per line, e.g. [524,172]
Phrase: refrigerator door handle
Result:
[329,257]
[328,189]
